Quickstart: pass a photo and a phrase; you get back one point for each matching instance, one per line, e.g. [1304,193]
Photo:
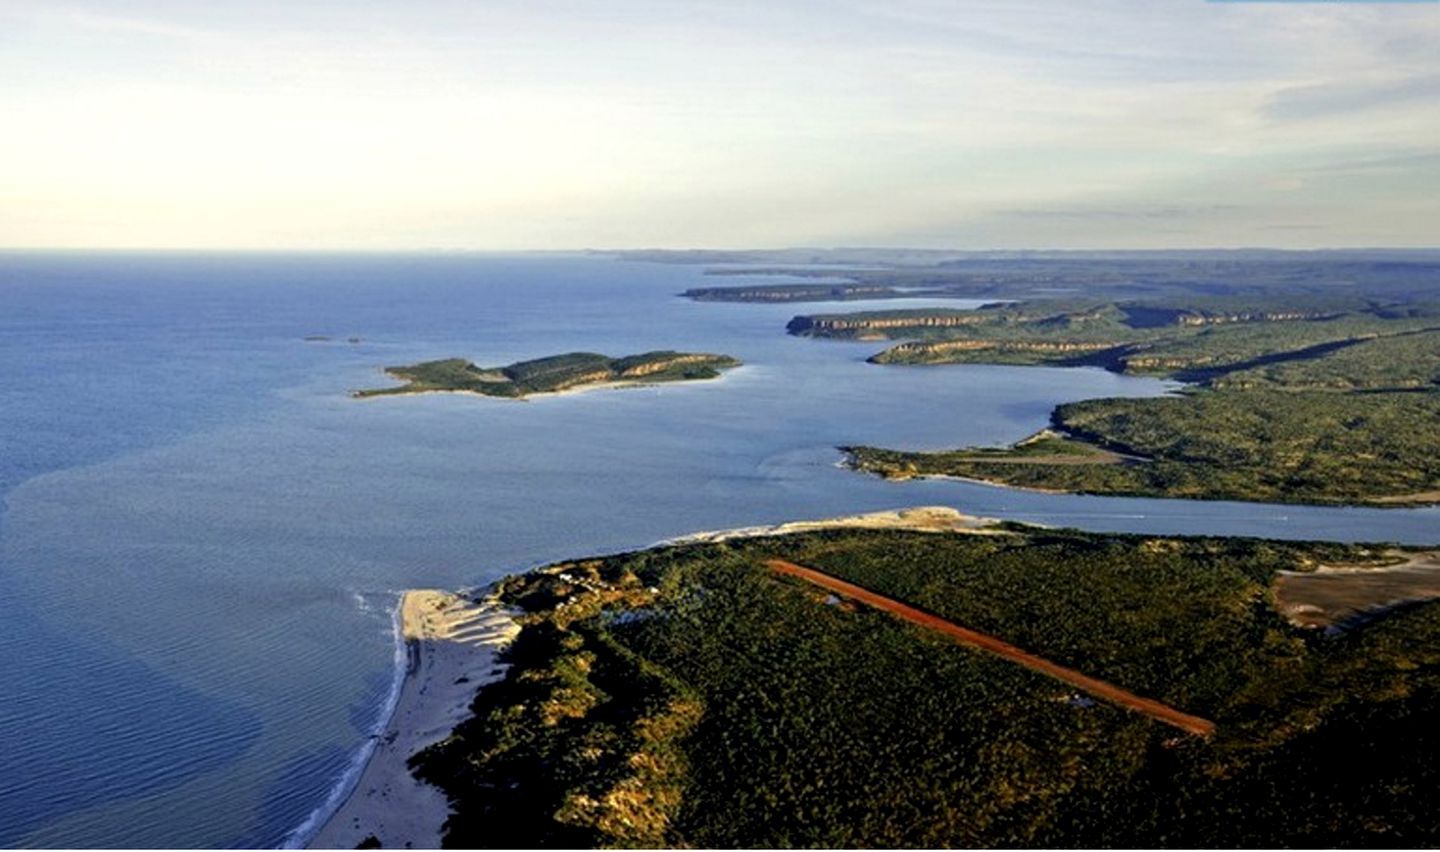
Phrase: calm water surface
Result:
[202,537]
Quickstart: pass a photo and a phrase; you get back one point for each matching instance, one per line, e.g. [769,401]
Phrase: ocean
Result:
[202,537]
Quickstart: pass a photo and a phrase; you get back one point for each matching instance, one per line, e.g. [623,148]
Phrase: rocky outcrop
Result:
[589,378]
[661,364]
[813,324]
[1047,346]
[1193,319]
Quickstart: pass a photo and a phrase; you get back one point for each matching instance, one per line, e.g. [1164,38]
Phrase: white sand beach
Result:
[451,645]
[918,518]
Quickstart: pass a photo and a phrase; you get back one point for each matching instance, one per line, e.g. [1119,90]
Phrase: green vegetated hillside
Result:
[689,696]
[1312,447]
[1407,361]
[1188,337]
[555,373]
[1314,401]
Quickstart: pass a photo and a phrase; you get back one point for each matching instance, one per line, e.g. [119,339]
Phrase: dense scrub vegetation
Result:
[1398,362]
[555,373]
[1192,339]
[689,696]
[1312,447]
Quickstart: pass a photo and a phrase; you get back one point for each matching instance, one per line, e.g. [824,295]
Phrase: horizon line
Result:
[696,250]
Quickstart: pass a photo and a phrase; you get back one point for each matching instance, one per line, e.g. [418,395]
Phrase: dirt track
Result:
[1098,688]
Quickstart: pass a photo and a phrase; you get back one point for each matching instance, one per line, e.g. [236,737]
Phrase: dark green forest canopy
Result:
[1311,447]
[689,696]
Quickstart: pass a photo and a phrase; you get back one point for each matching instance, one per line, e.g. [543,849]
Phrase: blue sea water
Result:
[202,537]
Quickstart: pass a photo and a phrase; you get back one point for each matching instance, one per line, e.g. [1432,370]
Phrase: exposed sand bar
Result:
[919,518]
[451,644]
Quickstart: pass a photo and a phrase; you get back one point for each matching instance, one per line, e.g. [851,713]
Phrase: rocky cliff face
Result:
[1002,346]
[1151,363]
[661,364]
[1251,316]
[938,350]
[804,325]
[583,379]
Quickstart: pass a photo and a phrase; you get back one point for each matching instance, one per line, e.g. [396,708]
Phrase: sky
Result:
[563,124]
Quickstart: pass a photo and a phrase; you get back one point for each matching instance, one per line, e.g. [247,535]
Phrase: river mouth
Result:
[196,512]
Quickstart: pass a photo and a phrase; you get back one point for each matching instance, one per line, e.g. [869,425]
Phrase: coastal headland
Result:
[757,687]
[451,645]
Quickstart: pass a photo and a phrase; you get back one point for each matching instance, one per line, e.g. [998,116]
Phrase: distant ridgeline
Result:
[891,274]
[696,696]
[552,374]
[795,293]
[1301,399]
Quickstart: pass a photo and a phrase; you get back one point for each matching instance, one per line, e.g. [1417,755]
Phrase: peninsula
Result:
[557,373]
[923,678]
[1304,399]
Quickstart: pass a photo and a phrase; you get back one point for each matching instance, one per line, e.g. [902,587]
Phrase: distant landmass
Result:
[909,273]
[1306,399]
[557,373]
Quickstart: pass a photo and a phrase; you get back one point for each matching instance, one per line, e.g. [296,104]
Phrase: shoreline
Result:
[847,464]
[1382,503]
[934,519]
[301,836]
[446,649]
[450,645]
[450,642]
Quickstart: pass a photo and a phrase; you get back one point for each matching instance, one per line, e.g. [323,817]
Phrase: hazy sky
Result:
[516,124]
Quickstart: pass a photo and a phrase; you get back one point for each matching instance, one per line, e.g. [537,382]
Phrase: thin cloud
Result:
[1167,212]
[1322,101]
[90,20]
[1414,162]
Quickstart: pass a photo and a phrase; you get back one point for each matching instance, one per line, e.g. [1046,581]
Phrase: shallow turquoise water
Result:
[202,536]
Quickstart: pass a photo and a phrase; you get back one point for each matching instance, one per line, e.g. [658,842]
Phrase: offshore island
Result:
[920,678]
[555,374]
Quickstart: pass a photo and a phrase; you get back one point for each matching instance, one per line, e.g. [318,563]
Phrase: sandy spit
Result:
[451,646]
[921,518]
